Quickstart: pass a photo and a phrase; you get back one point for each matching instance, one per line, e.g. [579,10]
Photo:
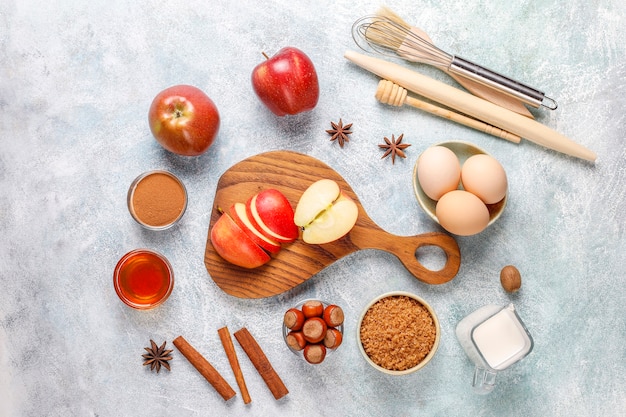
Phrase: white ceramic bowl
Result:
[430,354]
[462,150]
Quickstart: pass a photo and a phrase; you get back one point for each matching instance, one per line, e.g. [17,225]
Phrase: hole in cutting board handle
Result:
[431,257]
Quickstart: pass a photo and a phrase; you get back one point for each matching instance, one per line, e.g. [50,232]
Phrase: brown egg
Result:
[438,171]
[483,176]
[462,213]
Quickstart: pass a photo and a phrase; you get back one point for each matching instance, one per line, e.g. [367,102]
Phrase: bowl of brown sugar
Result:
[157,199]
[398,333]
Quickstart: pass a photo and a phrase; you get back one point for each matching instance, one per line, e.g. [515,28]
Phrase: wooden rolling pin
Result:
[471,105]
[394,95]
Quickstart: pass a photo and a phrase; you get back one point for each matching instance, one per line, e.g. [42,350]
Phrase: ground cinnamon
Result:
[157,199]
[261,363]
[205,368]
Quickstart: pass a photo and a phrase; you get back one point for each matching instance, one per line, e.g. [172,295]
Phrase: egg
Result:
[483,176]
[438,171]
[462,213]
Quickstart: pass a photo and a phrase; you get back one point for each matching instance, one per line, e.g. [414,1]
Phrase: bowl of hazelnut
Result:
[313,329]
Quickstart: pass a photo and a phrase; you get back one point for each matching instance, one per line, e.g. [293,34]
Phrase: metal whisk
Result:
[388,37]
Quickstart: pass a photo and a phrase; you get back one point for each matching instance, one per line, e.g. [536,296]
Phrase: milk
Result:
[494,338]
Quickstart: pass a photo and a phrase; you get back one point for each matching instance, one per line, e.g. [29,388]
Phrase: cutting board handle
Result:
[449,247]
[405,248]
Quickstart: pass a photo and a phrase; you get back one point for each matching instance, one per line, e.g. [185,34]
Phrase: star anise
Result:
[394,147]
[340,132]
[157,357]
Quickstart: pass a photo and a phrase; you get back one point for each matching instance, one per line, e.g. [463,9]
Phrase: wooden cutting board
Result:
[292,173]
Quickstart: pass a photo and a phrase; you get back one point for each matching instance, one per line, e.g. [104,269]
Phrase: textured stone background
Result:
[76,81]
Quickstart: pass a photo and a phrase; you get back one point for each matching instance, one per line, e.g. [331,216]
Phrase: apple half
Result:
[271,214]
[325,213]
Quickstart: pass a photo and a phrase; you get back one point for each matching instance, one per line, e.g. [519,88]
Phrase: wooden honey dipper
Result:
[392,94]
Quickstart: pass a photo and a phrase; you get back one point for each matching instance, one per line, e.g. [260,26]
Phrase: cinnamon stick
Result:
[205,368]
[229,348]
[261,363]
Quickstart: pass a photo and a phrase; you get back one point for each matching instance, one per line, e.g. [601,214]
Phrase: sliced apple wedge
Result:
[325,213]
[234,245]
[271,214]
[238,212]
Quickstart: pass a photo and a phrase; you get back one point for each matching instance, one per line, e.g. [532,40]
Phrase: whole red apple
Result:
[287,82]
[184,120]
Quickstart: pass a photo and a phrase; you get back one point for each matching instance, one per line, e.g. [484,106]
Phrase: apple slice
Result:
[325,213]
[271,214]
[234,245]
[238,212]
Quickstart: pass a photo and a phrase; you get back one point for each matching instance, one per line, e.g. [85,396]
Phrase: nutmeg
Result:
[510,278]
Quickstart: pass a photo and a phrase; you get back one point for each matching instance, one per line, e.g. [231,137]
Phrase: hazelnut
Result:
[314,353]
[296,340]
[293,319]
[314,329]
[333,315]
[510,278]
[333,338]
[313,308]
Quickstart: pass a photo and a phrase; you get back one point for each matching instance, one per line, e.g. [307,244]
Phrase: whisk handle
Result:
[500,82]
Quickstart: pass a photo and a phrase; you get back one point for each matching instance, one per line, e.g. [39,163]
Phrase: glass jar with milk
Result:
[494,338]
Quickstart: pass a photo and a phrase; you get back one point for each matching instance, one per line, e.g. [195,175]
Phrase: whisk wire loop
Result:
[387,37]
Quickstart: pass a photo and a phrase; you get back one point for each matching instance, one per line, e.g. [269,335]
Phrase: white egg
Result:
[438,171]
[462,213]
[483,176]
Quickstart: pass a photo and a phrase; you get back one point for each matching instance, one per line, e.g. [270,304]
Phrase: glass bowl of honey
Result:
[143,279]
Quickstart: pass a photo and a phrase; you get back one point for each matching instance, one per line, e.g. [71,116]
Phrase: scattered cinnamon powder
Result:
[397,332]
[158,199]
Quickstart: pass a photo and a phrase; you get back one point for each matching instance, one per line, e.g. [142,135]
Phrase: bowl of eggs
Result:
[460,186]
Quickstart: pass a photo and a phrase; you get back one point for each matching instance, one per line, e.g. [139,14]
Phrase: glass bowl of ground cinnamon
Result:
[157,199]
[398,333]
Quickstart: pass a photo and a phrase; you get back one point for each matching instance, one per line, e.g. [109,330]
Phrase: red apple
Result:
[234,245]
[287,82]
[184,120]
[238,213]
[271,213]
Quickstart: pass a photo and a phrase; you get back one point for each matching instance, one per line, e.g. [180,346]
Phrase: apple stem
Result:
[265,55]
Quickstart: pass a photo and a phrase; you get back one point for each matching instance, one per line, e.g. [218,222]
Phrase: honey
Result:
[143,279]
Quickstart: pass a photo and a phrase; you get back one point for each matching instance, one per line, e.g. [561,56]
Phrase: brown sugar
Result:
[157,199]
[397,332]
